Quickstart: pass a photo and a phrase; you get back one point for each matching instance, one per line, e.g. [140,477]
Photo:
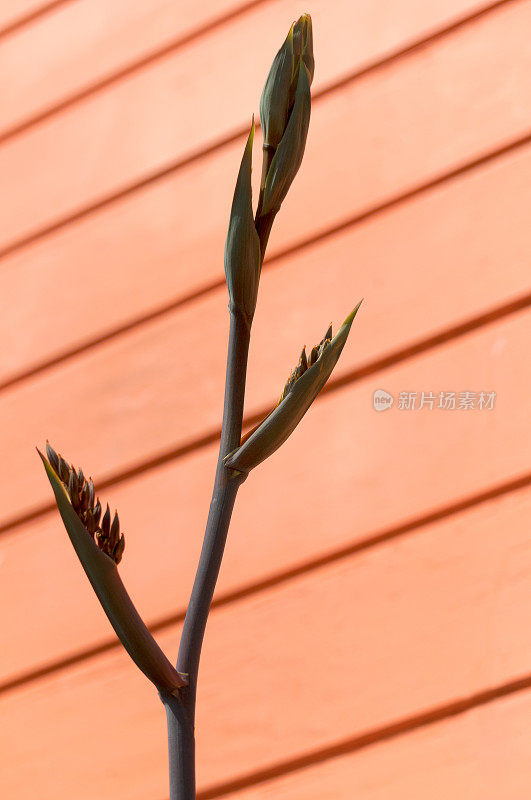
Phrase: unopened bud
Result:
[303,43]
[106,522]
[64,472]
[90,522]
[118,550]
[81,495]
[115,530]
[242,248]
[91,493]
[73,489]
[275,100]
[295,402]
[289,153]
[52,457]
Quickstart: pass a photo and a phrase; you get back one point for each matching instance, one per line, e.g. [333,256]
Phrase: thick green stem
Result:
[181,747]
[180,712]
[181,715]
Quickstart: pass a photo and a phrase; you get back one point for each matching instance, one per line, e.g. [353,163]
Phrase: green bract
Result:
[303,43]
[275,100]
[242,248]
[106,582]
[288,156]
[300,392]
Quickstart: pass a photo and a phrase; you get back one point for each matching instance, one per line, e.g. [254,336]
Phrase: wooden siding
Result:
[401,539]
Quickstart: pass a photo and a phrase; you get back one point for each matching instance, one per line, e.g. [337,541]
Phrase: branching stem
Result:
[181,714]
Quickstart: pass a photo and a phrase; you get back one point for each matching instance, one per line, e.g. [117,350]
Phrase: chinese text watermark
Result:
[446,401]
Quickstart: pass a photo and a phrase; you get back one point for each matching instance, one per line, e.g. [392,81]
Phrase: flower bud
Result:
[115,531]
[302,388]
[303,43]
[289,153]
[53,458]
[106,522]
[99,561]
[73,489]
[118,550]
[80,493]
[242,248]
[275,100]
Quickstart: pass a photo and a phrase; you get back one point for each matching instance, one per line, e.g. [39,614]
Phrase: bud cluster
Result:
[285,113]
[305,363]
[106,535]
[302,387]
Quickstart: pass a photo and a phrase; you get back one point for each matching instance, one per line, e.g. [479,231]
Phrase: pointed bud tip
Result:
[250,138]
[353,313]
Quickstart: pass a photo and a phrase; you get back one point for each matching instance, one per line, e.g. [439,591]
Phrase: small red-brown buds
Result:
[106,521]
[115,530]
[81,494]
[299,370]
[301,389]
[90,493]
[63,470]
[73,489]
[97,512]
[90,522]
[119,549]
[52,458]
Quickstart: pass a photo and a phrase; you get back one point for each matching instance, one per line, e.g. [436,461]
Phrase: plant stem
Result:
[181,747]
[181,713]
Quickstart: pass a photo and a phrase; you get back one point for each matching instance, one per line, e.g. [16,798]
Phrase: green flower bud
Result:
[288,156]
[303,43]
[242,248]
[275,100]
[302,388]
[99,562]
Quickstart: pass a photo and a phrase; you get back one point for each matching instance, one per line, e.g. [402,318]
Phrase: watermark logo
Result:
[382,400]
[445,401]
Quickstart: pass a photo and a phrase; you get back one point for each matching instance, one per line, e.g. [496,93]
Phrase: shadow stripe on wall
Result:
[389,360]
[242,131]
[372,540]
[34,15]
[343,225]
[375,736]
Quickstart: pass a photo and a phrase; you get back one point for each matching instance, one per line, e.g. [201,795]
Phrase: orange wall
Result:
[371,631]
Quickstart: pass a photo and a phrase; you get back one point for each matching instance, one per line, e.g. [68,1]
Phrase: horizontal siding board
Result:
[167,241]
[394,632]
[482,754]
[407,121]
[145,256]
[80,44]
[13,12]
[125,32]
[164,381]
[345,475]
